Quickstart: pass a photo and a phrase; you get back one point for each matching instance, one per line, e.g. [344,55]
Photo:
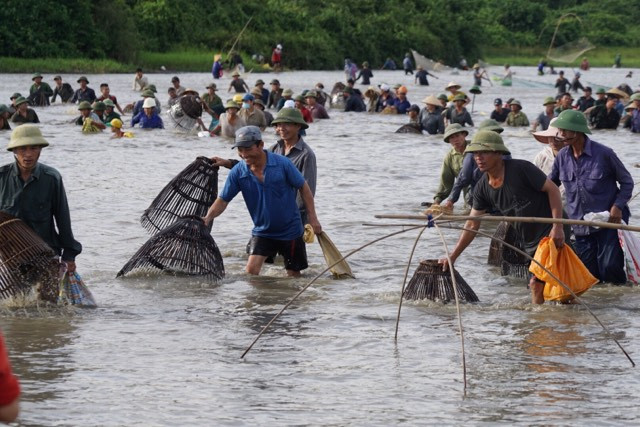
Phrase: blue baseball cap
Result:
[248,97]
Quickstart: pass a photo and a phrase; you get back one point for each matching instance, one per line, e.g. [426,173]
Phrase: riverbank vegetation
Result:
[117,36]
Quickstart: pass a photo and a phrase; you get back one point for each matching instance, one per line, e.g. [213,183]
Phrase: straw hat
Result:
[453,129]
[236,74]
[431,100]
[617,93]
[26,135]
[544,135]
[485,140]
[452,84]
[290,115]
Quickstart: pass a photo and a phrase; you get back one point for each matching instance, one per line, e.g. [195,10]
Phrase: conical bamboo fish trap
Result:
[511,263]
[186,247]
[430,282]
[25,261]
[191,192]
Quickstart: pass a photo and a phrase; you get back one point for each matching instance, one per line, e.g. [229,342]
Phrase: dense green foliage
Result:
[316,34]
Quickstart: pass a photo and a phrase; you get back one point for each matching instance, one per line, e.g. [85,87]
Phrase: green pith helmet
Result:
[99,106]
[109,103]
[486,140]
[287,92]
[147,94]
[572,120]
[491,125]
[152,88]
[549,100]
[231,104]
[3,109]
[311,94]
[459,97]
[601,91]
[299,98]
[452,129]
[290,115]
[19,100]
[635,97]
[83,78]
[515,102]
[84,105]
[35,76]
[443,97]
[475,90]
[26,135]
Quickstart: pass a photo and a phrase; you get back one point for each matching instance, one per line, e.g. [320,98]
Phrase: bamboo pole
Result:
[526,219]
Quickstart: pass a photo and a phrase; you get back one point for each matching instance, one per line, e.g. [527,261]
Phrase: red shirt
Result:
[9,386]
[111,97]
[306,115]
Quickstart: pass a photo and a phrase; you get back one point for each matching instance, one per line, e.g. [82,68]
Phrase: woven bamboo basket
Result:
[430,282]
[511,263]
[191,105]
[186,247]
[191,192]
[25,261]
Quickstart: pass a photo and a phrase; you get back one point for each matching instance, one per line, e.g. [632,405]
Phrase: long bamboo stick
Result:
[515,219]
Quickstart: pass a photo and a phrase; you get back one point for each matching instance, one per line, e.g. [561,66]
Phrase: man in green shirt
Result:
[34,193]
[455,135]
[40,91]
[212,102]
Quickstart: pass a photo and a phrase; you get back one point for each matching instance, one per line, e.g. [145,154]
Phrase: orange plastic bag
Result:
[565,265]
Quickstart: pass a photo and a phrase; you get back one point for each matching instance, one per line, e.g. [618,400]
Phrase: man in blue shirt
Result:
[595,180]
[269,184]
[148,118]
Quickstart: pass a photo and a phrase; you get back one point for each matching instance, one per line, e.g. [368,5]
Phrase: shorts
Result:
[293,251]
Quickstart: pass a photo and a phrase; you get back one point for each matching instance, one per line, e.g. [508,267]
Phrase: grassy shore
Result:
[598,57]
[200,61]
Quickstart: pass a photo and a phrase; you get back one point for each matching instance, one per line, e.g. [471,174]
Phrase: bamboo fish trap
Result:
[186,247]
[510,262]
[429,281]
[25,261]
[191,192]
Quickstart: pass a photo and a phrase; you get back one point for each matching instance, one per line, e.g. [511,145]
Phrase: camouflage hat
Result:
[486,140]
[453,129]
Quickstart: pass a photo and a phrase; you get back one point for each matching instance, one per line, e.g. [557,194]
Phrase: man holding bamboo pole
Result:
[513,188]
[595,180]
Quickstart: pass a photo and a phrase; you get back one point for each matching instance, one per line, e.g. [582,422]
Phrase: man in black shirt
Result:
[513,188]
[499,114]
[562,83]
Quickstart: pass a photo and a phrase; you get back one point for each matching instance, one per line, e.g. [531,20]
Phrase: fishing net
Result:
[429,64]
[191,192]
[511,263]
[184,114]
[571,51]
[25,261]
[186,247]
[429,281]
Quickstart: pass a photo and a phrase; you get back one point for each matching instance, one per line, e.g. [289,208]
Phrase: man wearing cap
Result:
[601,97]
[269,184]
[430,118]
[105,94]
[23,113]
[140,81]
[211,101]
[459,114]
[562,83]
[546,157]
[353,102]
[516,117]
[216,68]
[64,90]
[84,93]
[98,108]
[39,92]
[109,113]
[229,121]
[239,85]
[317,110]
[576,84]
[565,102]
[585,101]
[595,180]
[275,94]
[401,103]
[146,94]
[499,113]
[455,135]
[634,120]
[454,88]
[605,116]
[13,107]
[175,82]
[89,120]
[148,118]
[513,188]
[421,76]
[544,118]
[34,192]
[250,114]
[287,95]
[264,93]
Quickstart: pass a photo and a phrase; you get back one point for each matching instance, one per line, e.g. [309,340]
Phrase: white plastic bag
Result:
[630,244]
